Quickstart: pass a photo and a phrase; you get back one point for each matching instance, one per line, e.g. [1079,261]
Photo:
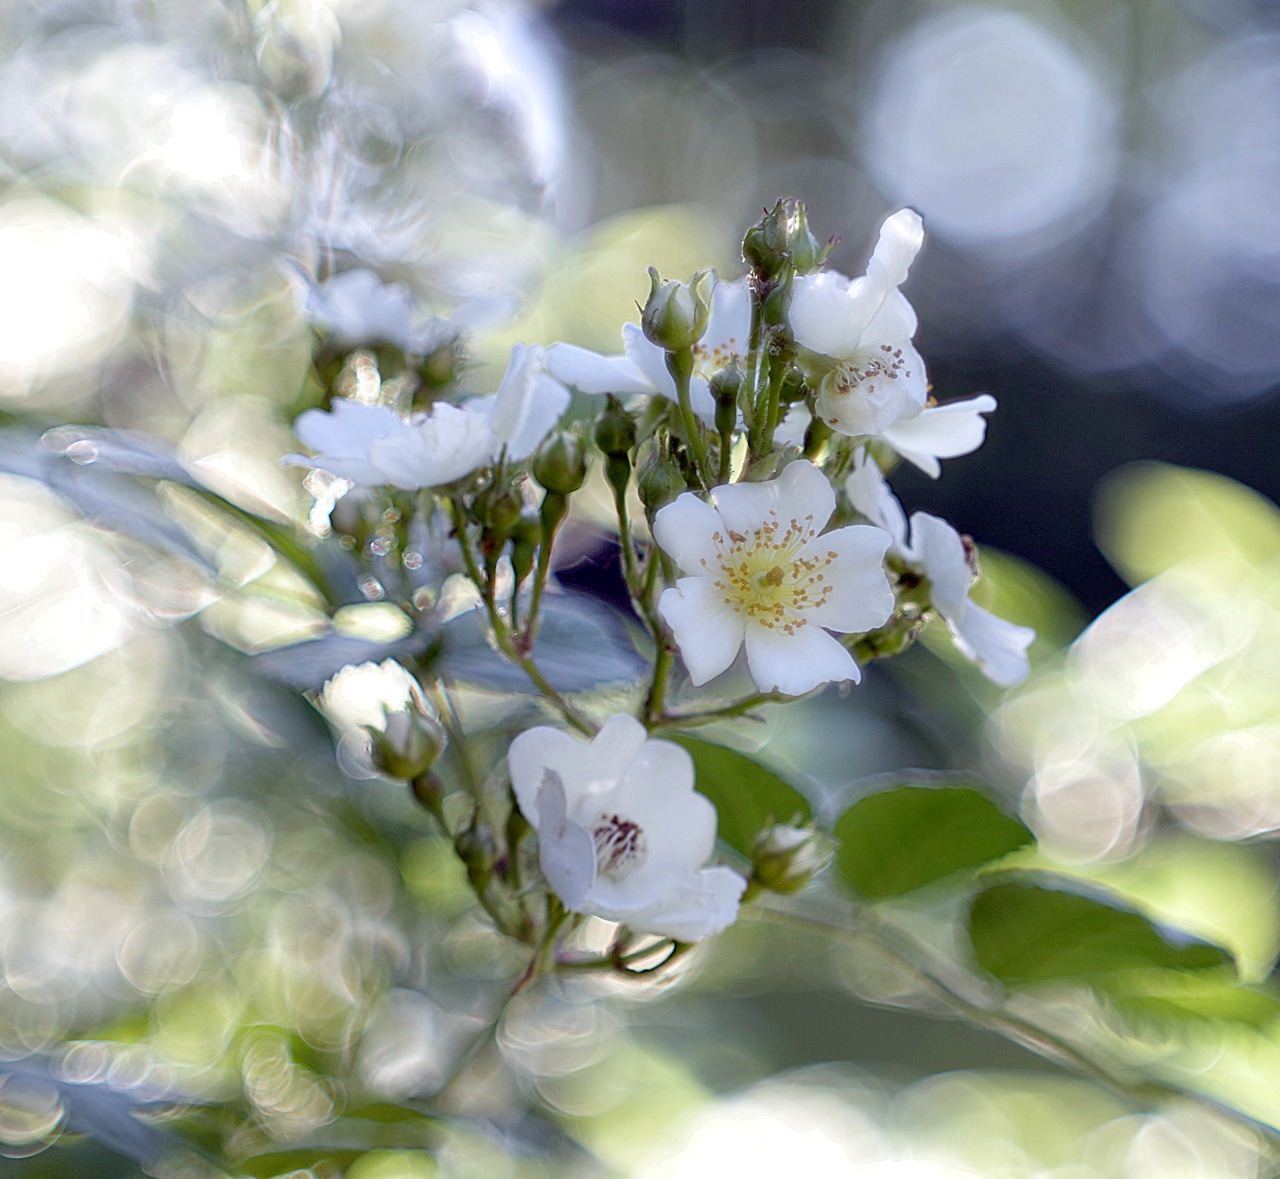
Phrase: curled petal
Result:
[997,646]
[937,549]
[941,431]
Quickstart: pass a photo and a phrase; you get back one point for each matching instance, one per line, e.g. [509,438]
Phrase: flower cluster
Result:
[756,420]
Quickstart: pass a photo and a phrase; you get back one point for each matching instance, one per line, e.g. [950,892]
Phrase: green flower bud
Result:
[615,431]
[785,858]
[524,543]
[781,241]
[409,742]
[725,386]
[560,464]
[676,313]
[477,848]
[658,481]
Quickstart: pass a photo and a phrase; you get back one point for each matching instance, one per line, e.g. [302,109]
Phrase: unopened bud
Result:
[408,743]
[477,848]
[560,464]
[725,385]
[785,858]
[615,431]
[658,481]
[524,543]
[781,241]
[676,313]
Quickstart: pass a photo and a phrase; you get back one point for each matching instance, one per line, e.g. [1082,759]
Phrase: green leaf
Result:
[1036,927]
[1172,997]
[897,840]
[748,796]
[282,1162]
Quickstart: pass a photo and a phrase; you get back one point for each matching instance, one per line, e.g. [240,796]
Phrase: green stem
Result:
[680,365]
[706,716]
[656,698]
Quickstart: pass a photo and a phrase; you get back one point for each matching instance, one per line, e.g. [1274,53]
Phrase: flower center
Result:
[769,576]
[710,359]
[871,374]
[620,846]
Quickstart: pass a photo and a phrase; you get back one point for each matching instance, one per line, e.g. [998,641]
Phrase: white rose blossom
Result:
[865,325]
[373,446]
[761,573]
[357,307]
[642,366]
[878,385]
[935,550]
[621,832]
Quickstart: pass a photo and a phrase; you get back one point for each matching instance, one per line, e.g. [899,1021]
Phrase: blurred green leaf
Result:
[387,1111]
[747,795]
[1153,516]
[1033,927]
[903,838]
[1168,997]
[283,1162]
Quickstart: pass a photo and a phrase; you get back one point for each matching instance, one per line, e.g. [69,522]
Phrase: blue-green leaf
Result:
[1034,927]
[908,836]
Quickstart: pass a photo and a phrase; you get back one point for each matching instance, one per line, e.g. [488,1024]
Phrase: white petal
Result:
[869,494]
[829,313]
[589,770]
[343,437]
[997,646]
[941,431]
[860,597]
[693,909]
[449,443]
[589,372]
[798,662]
[507,407]
[566,851]
[706,629]
[649,359]
[895,323]
[548,399]
[901,237]
[684,530]
[729,324]
[937,549]
[800,491]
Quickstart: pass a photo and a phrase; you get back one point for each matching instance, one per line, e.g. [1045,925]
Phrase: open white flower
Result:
[935,550]
[762,573]
[621,832]
[374,446]
[865,326]
[642,366]
[357,307]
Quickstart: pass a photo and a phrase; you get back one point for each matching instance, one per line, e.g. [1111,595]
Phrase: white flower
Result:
[865,325]
[373,446]
[935,550]
[642,366]
[357,307]
[621,832]
[761,574]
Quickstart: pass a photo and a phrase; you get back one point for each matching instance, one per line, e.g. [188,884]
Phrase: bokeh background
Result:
[194,895]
